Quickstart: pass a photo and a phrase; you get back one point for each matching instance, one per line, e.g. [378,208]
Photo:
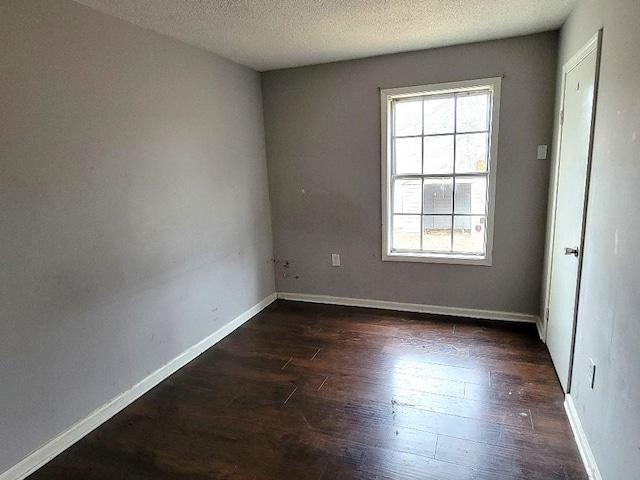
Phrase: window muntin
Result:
[439,157]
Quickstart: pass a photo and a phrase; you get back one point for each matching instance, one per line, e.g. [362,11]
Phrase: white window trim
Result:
[387,95]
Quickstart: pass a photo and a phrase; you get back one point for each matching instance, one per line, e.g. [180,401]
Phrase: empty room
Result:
[288,239]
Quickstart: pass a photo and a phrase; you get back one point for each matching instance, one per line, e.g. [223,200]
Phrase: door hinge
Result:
[546,314]
[561,117]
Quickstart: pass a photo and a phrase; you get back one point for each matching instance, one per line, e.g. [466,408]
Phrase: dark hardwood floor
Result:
[307,391]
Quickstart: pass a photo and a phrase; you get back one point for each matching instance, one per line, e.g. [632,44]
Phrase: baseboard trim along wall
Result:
[540,328]
[412,307]
[581,439]
[85,426]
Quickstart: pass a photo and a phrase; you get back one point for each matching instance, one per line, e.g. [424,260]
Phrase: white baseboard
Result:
[581,439]
[85,426]
[411,307]
[540,328]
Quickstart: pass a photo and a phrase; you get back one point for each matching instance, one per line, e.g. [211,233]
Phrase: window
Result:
[439,147]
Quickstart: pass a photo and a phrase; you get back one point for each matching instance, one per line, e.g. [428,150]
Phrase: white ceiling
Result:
[271,34]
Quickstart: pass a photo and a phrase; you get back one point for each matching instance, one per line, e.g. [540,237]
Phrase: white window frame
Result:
[387,96]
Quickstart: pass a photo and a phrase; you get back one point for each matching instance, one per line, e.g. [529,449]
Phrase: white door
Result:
[579,81]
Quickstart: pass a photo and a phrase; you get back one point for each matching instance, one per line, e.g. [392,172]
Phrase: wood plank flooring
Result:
[307,391]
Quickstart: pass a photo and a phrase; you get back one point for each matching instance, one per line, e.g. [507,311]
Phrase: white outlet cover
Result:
[335,259]
[542,152]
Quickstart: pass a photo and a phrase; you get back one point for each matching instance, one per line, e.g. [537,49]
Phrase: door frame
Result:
[594,44]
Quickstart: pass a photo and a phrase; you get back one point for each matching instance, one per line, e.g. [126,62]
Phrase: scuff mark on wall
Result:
[283,268]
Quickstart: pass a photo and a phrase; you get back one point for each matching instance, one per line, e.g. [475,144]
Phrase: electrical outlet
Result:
[592,373]
[335,260]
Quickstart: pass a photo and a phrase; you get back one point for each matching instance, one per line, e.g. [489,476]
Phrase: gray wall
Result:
[134,216]
[323,149]
[609,310]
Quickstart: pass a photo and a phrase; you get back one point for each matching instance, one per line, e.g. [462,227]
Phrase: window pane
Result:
[406,232]
[408,117]
[436,233]
[438,196]
[471,195]
[438,154]
[472,113]
[408,155]
[471,152]
[406,196]
[469,234]
[439,115]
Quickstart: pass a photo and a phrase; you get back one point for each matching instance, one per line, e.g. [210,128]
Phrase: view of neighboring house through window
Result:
[439,161]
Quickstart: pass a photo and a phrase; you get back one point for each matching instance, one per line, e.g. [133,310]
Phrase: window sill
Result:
[435,258]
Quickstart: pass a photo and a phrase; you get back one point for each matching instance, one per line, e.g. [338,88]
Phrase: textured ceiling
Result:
[271,34]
